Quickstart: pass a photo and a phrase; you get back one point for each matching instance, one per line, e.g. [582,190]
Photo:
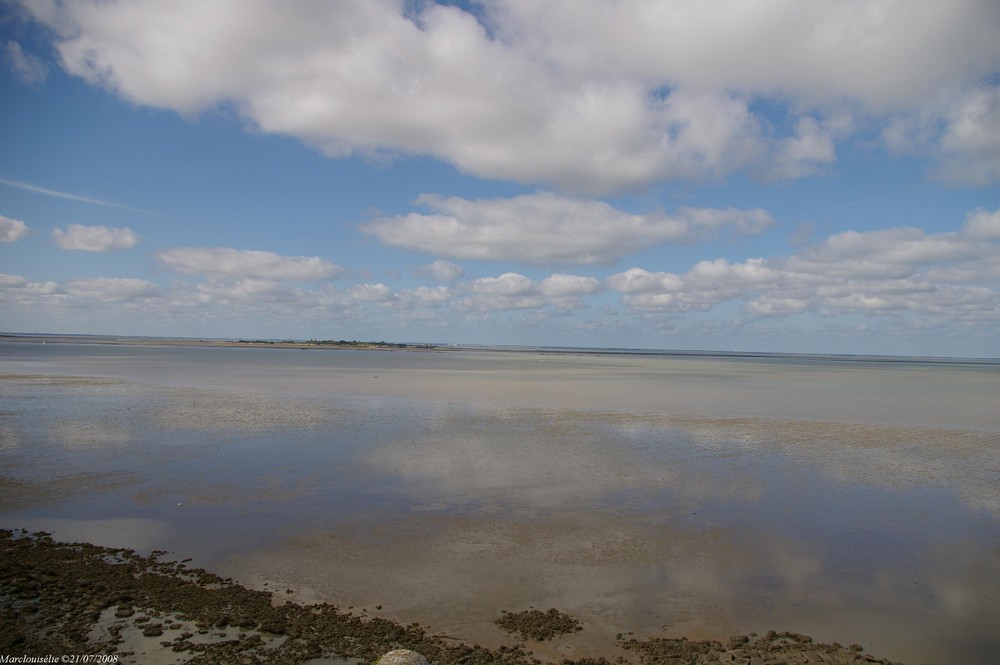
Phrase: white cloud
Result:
[507,284]
[969,150]
[247,290]
[983,225]
[959,129]
[906,276]
[880,272]
[12,230]
[546,227]
[751,272]
[19,289]
[441,271]
[236,263]
[425,296]
[370,292]
[512,291]
[814,50]
[277,299]
[95,238]
[568,285]
[701,223]
[805,152]
[586,95]
[894,252]
[637,280]
[26,67]
[111,289]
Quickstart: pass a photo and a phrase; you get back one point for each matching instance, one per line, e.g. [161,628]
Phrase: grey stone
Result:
[402,657]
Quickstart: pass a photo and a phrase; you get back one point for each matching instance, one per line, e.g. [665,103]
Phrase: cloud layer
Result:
[942,276]
[545,227]
[511,291]
[582,95]
[226,262]
[920,280]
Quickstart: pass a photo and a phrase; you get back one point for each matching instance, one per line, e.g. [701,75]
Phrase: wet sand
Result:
[491,492]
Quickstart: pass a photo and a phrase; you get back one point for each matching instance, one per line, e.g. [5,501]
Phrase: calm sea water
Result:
[850,499]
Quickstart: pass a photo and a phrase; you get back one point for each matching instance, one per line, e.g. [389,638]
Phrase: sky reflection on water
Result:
[447,511]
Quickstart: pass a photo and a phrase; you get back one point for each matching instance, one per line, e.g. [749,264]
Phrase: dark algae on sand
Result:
[76,598]
[537,625]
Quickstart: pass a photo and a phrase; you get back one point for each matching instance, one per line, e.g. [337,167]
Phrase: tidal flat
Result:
[851,500]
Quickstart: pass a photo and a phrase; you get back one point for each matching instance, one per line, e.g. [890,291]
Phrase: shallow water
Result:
[849,500]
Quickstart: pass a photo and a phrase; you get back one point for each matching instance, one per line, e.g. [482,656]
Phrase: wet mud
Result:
[75,598]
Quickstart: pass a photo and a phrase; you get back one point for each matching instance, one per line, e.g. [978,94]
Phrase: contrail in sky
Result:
[28,187]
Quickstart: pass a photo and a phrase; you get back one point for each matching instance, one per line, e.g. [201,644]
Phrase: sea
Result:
[647,493]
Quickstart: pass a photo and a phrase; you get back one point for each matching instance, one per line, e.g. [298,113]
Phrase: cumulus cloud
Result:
[813,50]
[560,286]
[243,291]
[440,271]
[959,129]
[806,152]
[370,292]
[983,225]
[888,253]
[638,280]
[225,262]
[705,285]
[970,145]
[512,290]
[546,227]
[12,230]
[425,296]
[26,67]
[879,272]
[111,289]
[95,238]
[905,275]
[19,289]
[585,95]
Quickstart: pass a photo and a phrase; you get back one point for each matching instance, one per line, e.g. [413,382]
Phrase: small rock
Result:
[402,657]
[152,630]
[736,641]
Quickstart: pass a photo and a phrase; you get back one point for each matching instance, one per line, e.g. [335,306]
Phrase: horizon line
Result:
[871,357]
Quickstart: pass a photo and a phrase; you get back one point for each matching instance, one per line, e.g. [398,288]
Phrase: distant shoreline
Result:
[208,342]
[124,340]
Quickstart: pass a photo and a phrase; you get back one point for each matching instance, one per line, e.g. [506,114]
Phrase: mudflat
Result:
[114,605]
[647,498]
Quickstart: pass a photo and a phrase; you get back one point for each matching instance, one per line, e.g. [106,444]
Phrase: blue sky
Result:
[766,176]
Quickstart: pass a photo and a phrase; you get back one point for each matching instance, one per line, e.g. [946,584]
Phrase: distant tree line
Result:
[338,342]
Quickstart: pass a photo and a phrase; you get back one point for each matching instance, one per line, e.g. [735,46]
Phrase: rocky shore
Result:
[76,598]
